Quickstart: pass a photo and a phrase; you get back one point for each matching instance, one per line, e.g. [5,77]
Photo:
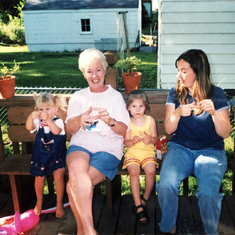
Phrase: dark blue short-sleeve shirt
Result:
[198,132]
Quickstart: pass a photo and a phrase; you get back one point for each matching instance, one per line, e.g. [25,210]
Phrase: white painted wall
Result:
[59,30]
[203,24]
[155,5]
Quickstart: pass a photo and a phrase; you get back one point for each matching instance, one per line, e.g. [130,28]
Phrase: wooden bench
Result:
[16,167]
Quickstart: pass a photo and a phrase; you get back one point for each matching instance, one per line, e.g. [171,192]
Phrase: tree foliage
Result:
[9,9]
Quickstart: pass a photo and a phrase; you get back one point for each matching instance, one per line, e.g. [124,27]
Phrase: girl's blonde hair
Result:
[50,100]
[90,56]
[138,94]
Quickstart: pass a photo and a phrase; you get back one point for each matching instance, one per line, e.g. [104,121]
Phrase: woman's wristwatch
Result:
[114,122]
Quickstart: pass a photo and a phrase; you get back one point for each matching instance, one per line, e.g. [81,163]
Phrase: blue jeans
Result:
[209,166]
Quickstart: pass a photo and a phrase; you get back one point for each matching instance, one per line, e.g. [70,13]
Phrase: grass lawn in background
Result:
[60,69]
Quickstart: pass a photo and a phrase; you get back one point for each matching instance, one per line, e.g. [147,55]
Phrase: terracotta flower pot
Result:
[131,82]
[7,87]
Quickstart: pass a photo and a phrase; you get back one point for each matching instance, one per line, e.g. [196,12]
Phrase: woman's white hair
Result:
[90,56]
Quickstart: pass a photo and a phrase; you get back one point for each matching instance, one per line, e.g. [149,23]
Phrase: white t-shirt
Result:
[101,137]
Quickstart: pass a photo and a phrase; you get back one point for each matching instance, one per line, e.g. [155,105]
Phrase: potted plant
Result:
[130,78]
[7,80]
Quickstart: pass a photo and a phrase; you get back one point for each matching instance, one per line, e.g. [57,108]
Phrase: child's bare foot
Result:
[38,208]
[59,211]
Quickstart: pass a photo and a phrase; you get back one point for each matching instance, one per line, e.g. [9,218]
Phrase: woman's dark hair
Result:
[202,87]
[138,94]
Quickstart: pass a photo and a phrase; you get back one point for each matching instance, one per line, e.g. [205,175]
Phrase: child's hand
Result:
[35,115]
[147,138]
[44,116]
[136,139]
[29,122]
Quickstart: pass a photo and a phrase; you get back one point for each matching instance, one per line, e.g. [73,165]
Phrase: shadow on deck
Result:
[123,221]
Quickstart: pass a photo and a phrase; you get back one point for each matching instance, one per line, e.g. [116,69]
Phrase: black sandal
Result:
[140,215]
[144,200]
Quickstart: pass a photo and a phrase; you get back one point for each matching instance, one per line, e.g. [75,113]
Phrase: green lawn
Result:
[60,69]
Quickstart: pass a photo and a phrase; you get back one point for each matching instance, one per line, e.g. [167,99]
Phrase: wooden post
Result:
[111,77]
[126,34]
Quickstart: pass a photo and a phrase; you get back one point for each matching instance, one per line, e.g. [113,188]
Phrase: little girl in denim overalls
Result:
[49,151]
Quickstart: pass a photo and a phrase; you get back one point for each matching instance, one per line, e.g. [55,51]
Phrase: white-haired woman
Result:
[98,120]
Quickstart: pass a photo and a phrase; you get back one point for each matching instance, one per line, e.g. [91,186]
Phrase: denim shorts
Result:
[104,162]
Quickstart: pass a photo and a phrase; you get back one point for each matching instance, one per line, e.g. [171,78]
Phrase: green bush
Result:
[4,37]
[148,68]
[126,188]
[227,183]
[229,148]
[12,32]
[12,36]
[8,148]
[147,75]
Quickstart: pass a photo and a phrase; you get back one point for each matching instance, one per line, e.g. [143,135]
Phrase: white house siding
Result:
[208,25]
[59,30]
[154,5]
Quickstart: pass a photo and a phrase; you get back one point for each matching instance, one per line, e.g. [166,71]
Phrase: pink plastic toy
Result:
[16,224]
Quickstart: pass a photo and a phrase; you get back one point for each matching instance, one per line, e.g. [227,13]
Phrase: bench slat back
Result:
[18,113]
[17,117]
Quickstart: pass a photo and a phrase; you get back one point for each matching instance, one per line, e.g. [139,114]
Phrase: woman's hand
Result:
[207,105]
[220,119]
[120,128]
[185,109]
[86,119]
[173,116]
[81,121]
[103,115]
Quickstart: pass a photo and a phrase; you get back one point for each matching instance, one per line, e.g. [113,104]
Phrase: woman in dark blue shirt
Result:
[197,116]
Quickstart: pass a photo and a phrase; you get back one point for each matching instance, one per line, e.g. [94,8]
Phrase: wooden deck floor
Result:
[123,221]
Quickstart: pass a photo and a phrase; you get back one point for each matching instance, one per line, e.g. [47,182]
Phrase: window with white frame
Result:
[85,26]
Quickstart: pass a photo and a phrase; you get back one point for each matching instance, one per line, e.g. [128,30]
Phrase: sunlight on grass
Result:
[37,74]
[14,49]
[149,63]
[28,62]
